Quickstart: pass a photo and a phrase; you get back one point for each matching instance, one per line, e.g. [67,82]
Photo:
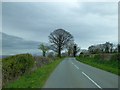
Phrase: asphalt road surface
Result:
[73,74]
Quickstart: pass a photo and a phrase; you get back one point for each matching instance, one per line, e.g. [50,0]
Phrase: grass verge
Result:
[36,79]
[110,66]
[0,64]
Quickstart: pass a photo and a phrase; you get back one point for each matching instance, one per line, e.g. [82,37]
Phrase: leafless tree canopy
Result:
[59,39]
[71,50]
[102,48]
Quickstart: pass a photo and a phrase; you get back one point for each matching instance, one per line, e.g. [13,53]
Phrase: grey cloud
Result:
[88,22]
[17,45]
[14,42]
[100,8]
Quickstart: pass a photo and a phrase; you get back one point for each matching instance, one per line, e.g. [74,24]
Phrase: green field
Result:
[36,79]
[110,66]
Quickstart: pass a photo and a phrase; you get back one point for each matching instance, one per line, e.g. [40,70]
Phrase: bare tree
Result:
[108,47]
[76,49]
[70,47]
[92,49]
[101,48]
[59,39]
[44,49]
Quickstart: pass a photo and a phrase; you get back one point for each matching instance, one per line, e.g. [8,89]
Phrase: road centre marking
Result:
[76,66]
[91,80]
[76,61]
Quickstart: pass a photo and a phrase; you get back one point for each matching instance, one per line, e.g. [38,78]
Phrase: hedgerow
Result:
[15,66]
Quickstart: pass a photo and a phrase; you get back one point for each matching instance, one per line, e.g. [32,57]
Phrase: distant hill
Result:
[4,56]
[15,45]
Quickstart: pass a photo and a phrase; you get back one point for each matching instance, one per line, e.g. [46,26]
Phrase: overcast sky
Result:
[89,22]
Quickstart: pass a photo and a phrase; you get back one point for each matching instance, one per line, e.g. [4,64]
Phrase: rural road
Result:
[73,74]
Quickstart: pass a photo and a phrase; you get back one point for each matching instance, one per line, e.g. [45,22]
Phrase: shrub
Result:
[97,57]
[41,61]
[15,66]
[115,57]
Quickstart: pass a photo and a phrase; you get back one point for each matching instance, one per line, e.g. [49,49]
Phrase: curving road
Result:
[73,74]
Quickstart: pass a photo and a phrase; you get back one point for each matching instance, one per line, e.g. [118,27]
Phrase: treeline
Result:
[103,48]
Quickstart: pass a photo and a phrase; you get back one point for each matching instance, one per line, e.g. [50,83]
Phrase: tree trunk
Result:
[59,52]
[74,53]
[44,53]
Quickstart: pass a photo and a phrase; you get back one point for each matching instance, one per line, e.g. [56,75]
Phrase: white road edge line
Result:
[91,80]
[76,66]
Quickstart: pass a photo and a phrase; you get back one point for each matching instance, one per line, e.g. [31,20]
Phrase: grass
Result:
[0,63]
[110,66]
[36,79]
